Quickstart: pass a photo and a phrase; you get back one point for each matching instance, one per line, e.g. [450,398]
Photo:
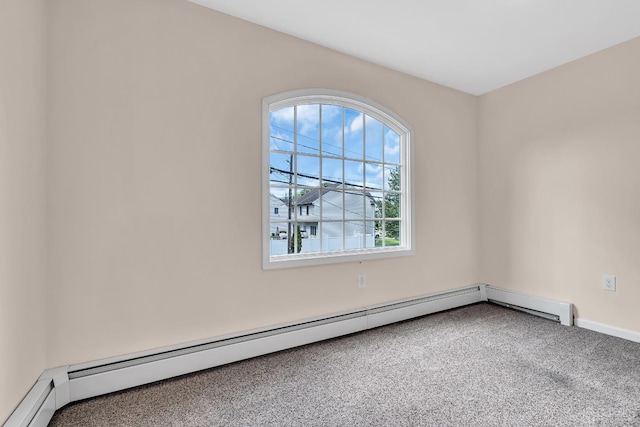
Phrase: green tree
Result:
[298,239]
[391,206]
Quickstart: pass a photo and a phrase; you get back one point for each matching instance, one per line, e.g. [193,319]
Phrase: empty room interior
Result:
[132,189]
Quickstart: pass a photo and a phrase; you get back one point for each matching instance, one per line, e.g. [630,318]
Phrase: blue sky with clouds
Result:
[364,140]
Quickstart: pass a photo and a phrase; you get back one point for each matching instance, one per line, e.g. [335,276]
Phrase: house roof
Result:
[276,199]
[314,194]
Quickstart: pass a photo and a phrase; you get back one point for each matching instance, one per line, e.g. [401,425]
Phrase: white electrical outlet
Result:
[362,280]
[609,282]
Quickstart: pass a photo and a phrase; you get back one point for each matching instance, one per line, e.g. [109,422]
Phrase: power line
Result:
[384,165]
[284,172]
[323,144]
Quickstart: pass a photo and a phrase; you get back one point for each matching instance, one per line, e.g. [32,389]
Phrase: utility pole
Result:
[289,233]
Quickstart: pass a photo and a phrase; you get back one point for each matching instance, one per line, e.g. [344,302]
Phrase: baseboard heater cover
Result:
[60,386]
[543,307]
[106,379]
[79,372]
[395,312]
[549,316]
[88,381]
[37,408]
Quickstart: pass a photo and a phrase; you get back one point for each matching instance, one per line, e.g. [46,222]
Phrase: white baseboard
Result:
[608,330]
[60,386]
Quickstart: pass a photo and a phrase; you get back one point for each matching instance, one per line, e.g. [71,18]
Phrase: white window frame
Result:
[370,108]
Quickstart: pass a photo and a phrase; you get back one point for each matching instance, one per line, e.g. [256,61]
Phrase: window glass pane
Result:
[280,169]
[392,178]
[376,198]
[392,233]
[370,207]
[331,236]
[278,238]
[308,170]
[354,232]
[332,130]
[282,119]
[354,202]
[373,138]
[331,172]
[280,193]
[353,173]
[370,241]
[308,117]
[295,243]
[391,146]
[305,210]
[281,141]
[379,237]
[331,204]
[353,134]
[281,129]
[278,209]
[392,205]
[373,176]
[306,200]
[302,190]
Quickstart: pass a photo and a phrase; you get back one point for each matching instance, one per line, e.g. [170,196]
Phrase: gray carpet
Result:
[481,365]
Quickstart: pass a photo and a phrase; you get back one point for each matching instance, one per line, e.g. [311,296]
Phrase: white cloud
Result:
[374,174]
[374,168]
[307,116]
[391,149]
[356,124]
[331,113]
[391,145]
[284,115]
[308,113]
[307,121]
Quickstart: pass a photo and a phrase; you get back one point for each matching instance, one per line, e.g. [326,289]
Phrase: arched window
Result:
[336,180]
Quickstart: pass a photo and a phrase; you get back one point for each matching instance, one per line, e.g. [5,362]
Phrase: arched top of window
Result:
[337,97]
[347,161]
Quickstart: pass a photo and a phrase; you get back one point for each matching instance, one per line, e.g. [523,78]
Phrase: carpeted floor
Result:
[481,365]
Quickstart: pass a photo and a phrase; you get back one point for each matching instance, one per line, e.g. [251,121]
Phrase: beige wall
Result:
[155,172]
[559,167]
[150,215]
[22,197]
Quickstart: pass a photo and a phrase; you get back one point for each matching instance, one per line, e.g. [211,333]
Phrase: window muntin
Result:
[345,160]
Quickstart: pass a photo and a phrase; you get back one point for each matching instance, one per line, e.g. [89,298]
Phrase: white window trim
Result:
[373,109]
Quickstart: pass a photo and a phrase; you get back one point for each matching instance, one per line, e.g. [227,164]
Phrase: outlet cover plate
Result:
[362,280]
[609,282]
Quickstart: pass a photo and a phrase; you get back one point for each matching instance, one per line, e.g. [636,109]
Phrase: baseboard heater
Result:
[37,407]
[60,386]
[548,308]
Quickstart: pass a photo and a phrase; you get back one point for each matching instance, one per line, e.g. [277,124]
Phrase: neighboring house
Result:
[359,222]
[331,198]
[278,211]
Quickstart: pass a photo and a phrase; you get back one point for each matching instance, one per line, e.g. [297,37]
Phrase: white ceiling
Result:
[472,45]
